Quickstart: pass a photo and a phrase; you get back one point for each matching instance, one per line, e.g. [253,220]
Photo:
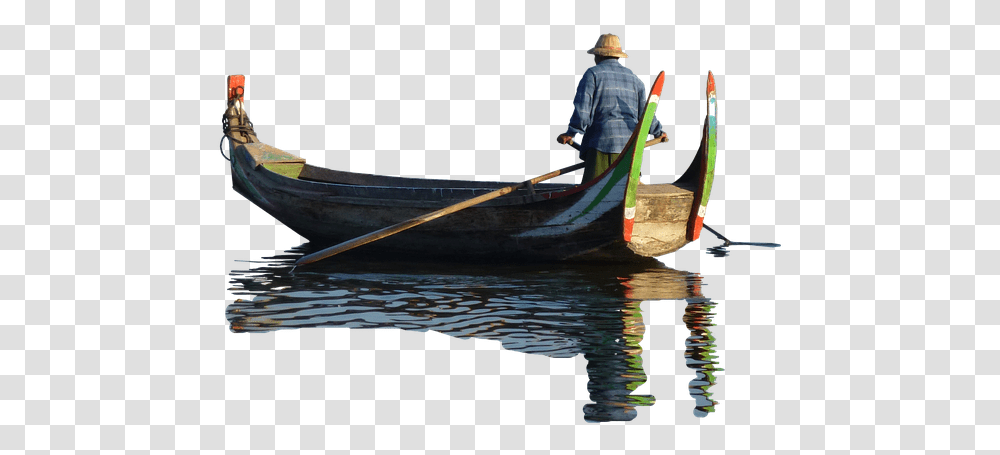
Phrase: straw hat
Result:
[608,45]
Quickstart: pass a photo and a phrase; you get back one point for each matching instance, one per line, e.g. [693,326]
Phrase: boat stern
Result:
[667,217]
[661,218]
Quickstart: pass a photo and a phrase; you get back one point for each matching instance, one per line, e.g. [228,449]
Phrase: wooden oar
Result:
[730,242]
[649,143]
[400,227]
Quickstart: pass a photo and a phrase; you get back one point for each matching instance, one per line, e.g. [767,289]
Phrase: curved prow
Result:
[706,159]
[628,221]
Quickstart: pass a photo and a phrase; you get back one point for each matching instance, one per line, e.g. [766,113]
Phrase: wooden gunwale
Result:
[456,189]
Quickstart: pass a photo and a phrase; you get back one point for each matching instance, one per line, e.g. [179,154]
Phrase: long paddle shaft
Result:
[649,143]
[730,243]
[720,236]
[400,227]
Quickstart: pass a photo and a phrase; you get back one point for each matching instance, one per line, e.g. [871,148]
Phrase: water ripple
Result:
[558,311]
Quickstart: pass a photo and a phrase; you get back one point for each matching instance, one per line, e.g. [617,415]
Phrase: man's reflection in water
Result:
[614,366]
[700,354]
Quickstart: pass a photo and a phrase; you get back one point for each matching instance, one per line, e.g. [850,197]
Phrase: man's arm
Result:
[583,106]
[656,129]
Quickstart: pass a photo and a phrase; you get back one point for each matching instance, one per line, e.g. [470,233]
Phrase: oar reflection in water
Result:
[559,311]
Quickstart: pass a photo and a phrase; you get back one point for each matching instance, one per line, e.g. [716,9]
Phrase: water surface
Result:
[556,310]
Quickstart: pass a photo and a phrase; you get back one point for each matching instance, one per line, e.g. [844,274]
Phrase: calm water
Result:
[553,310]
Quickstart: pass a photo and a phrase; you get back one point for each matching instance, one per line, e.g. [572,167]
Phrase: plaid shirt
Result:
[607,104]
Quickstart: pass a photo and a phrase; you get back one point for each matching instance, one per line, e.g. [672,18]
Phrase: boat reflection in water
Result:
[699,354]
[558,311]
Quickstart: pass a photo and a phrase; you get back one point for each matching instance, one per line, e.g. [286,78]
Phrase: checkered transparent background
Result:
[862,136]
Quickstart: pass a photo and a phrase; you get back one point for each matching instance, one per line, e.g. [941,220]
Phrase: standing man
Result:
[607,106]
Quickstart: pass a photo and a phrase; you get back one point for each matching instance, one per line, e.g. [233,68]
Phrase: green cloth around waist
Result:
[596,163]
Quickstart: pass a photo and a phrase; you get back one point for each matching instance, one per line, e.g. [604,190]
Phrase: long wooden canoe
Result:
[542,222]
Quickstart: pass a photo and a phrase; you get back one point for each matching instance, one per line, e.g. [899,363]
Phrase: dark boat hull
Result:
[522,225]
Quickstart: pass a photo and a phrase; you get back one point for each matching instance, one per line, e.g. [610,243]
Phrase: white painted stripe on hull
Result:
[567,222]
[629,213]
[701,211]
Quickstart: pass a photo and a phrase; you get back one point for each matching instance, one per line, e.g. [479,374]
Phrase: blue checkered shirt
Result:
[607,104]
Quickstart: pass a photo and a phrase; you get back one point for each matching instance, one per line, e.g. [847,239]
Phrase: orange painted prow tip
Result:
[711,83]
[234,87]
[658,83]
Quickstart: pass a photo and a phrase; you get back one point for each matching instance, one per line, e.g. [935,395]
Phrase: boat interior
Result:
[291,166]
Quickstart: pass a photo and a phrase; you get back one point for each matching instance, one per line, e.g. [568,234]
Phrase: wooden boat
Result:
[545,221]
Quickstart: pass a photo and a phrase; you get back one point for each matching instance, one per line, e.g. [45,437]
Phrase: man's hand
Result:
[564,138]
